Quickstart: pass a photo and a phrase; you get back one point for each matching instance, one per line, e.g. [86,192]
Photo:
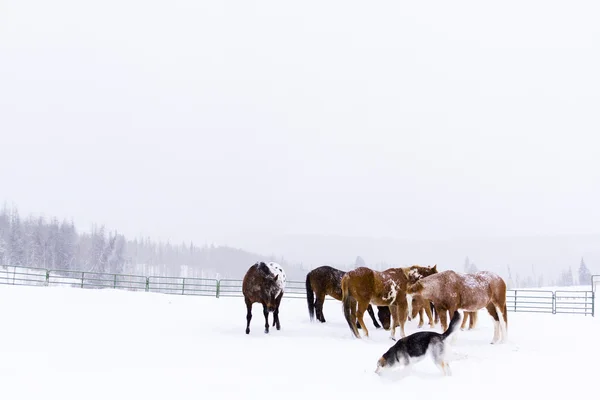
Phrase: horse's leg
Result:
[441,311]
[276,323]
[362,307]
[435,312]
[427,308]
[319,306]
[248,315]
[393,321]
[501,324]
[421,317]
[266,314]
[372,315]
[464,321]
[473,320]
[402,313]
[492,311]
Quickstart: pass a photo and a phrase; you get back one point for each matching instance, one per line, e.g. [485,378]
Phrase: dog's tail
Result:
[310,298]
[453,324]
[348,303]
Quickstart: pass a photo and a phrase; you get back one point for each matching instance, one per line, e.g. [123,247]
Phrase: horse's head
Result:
[383,313]
[415,288]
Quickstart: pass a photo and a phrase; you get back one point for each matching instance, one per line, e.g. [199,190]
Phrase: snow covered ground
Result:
[65,343]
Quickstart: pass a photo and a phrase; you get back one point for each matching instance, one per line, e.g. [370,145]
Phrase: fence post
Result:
[83,273]
[147,284]
[115,282]
[47,277]
[593,301]
[516,301]
[218,288]
[183,286]
[553,302]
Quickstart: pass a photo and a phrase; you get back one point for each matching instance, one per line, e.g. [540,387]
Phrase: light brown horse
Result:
[326,280]
[418,305]
[363,286]
[450,291]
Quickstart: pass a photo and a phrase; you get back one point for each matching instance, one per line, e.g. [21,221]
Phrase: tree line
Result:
[40,242]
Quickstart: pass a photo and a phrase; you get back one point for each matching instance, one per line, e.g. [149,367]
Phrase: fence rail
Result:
[540,301]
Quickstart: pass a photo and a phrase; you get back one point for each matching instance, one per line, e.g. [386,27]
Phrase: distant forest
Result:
[51,244]
[58,245]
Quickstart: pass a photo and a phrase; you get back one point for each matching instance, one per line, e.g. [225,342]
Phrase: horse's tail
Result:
[310,298]
[453,324]
[347,304]
[505,316]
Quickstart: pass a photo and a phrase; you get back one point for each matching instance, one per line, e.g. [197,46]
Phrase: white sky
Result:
[200,120]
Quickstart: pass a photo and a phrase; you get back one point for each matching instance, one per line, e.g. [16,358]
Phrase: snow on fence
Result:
[517,300]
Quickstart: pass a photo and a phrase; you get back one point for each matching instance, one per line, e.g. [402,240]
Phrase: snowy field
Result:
[64,343]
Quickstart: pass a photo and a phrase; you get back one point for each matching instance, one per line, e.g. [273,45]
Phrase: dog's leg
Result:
[248,315]
[266,314]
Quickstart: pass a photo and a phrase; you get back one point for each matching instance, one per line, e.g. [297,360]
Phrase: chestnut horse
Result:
[327,280]
[451,291]
[264,283]
[416,304]
[363,286]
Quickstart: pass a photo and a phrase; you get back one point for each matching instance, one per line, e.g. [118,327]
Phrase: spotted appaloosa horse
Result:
[451,291]
[264,283]
[327,280]
[387,288]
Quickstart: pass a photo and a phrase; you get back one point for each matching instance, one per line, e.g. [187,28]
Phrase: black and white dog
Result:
[413,348]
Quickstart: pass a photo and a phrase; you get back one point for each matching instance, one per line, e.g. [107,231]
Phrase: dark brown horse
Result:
[451,291]
[363,286]
[264,283]
[327,280]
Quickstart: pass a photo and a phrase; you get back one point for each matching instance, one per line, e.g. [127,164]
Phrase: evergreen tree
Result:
[359,262]
[585,276]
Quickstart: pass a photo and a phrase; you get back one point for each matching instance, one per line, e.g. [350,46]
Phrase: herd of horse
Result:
[400,294]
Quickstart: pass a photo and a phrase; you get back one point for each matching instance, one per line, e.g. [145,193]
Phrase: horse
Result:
[416,304]
[327,280]
[363,286]
[264,283]
[451,291]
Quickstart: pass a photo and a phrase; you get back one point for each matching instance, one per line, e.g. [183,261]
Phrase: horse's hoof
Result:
[247,331]
[266,331]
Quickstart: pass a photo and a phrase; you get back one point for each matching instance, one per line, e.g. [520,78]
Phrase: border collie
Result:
[413,348]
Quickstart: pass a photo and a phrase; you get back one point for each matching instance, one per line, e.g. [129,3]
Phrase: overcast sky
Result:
[206,120]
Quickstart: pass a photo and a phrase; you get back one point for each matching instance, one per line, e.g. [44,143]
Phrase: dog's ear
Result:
[434,268]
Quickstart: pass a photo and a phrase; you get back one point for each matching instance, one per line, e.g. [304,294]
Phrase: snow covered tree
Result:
[359,262]
[585,276]
[509,281]
[16,244]
[470,268]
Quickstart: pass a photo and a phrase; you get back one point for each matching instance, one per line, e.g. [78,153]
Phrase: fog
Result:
[249,123]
